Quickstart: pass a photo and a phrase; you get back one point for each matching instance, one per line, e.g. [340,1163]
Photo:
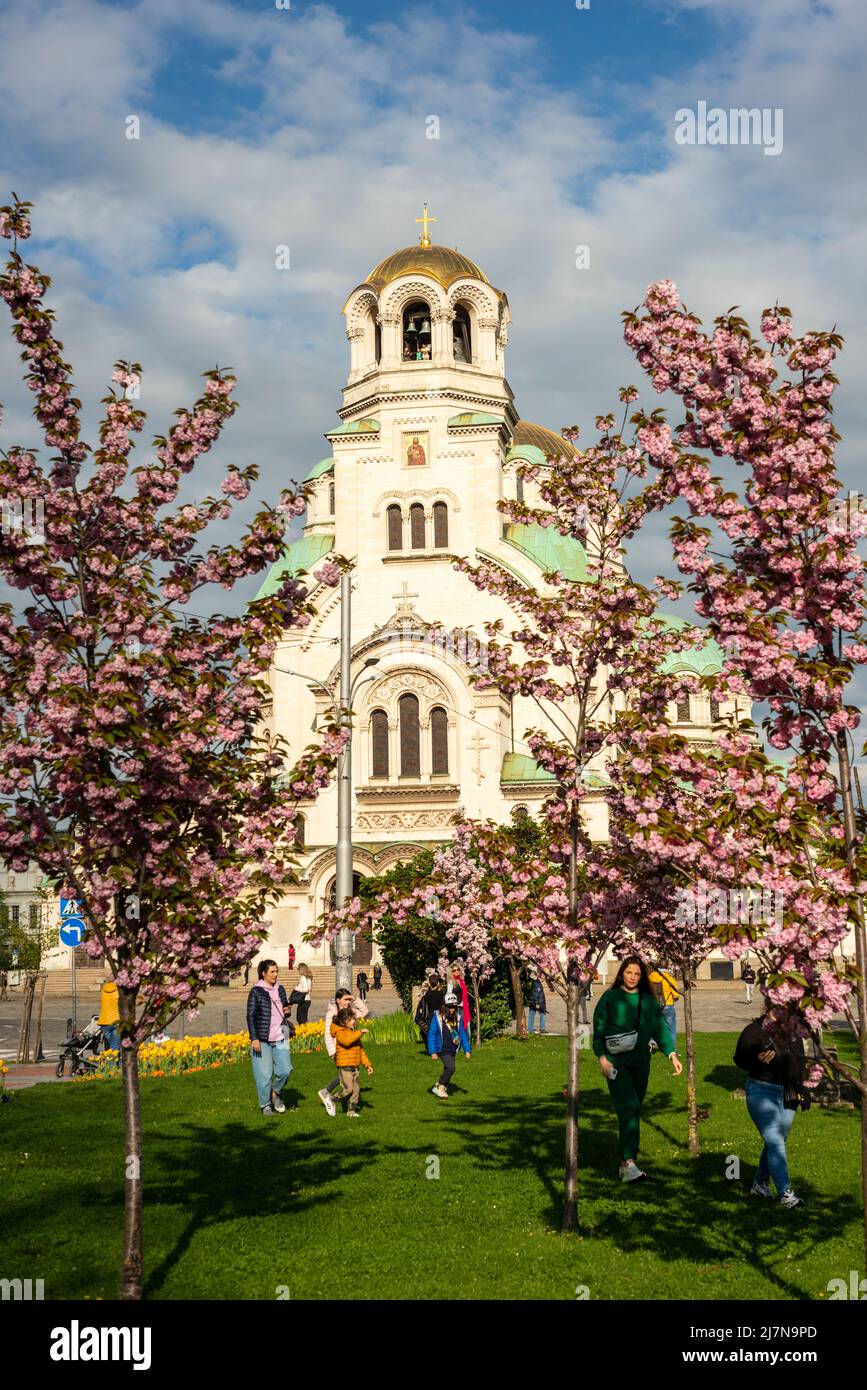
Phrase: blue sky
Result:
[306,128]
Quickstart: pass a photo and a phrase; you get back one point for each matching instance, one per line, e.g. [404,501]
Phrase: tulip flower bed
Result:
[194,1054]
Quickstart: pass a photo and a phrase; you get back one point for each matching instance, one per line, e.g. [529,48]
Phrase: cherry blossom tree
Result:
[134,769]
[590,655]
[778,577]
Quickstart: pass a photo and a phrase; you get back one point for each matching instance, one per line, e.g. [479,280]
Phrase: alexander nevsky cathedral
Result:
[429,439]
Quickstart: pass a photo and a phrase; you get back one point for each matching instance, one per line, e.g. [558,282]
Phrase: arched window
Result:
[519,488]
[395,527]
[683,708]
[462,336]
[379,742]
[439,741]
[440,524]
[301,832]
[520,815]
[416,337]
[416,526]
[410,750]
[331,498]
[714,710]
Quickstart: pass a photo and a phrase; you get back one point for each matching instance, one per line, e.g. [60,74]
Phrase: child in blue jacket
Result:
[446,1034]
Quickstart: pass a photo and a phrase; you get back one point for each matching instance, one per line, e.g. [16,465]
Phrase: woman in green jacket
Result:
[625,1020]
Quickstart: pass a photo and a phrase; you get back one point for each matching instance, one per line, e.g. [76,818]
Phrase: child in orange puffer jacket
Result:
[350,1056]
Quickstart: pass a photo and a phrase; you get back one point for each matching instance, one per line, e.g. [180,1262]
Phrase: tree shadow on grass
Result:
[232,1173]
[686,1206]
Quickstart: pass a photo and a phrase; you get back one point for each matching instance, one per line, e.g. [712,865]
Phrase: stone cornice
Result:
[410,791]
[384,399]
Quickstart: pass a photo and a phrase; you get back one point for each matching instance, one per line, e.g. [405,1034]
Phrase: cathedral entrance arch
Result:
[362,952]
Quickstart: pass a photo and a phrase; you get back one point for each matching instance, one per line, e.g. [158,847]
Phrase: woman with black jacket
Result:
[774,1092]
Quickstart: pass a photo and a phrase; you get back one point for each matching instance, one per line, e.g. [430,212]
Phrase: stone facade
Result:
[429,440]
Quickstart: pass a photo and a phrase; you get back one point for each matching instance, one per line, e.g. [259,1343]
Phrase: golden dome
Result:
[551,444]
[441,263]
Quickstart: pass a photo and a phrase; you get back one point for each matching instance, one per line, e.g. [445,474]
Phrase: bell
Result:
[413,326]
[425,328]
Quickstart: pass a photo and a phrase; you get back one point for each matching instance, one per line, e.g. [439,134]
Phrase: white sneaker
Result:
[277,1104]
[760,1189]
[789,1199]
[440,1091]
[630,1171]
[325,1097]
[266,1110]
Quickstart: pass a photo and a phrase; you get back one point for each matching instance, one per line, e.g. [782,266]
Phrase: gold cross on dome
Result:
[424,239]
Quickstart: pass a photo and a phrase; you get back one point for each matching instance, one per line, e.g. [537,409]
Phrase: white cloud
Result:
[333,161]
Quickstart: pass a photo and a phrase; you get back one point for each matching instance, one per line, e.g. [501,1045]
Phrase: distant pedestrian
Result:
[302,993]
[342,1000]
[4,984]
[446,1034]
[377,976]
[774,1092]
[362,984]
[626,1018]
[584,997]
[291,954]
[109,1014]
[459,989]
[430,1000]
[270,1029]
[667,994]
[350,1056]
[748,975]
[538,1004]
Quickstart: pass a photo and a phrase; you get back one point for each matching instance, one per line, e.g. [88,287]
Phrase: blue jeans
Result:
[531,1026]
[271,1068]
[773,1121]
[111,1037]
[669,1013]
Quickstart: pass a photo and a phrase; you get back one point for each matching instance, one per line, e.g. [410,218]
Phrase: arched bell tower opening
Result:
[416,336]
[462,335]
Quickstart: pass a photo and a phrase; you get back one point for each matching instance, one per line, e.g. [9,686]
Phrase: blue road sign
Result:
[72,925]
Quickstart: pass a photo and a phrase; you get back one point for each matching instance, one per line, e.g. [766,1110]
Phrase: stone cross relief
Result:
[478,743]
[404,606]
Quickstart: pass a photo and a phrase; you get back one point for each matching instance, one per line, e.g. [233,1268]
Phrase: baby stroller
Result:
[80,1050]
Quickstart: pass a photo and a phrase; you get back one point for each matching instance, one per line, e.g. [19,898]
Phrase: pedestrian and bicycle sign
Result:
[72,925]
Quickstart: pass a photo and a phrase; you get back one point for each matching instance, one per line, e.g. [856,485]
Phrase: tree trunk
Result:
[570,1184]
[26,1015]
[857,913]
[691,1102]
[518,996]
[131,1274]
[570,1181]
[475,984]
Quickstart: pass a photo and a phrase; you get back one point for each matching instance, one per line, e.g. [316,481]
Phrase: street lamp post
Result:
[348,687]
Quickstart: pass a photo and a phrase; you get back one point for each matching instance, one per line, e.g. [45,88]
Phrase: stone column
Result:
[391,344]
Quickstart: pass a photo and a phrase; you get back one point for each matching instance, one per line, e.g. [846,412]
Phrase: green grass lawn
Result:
[237,1204]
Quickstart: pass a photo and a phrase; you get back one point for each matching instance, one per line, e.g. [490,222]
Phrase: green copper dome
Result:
[324,466]
[298,557]
[705,660]
[549,549]
[520,767]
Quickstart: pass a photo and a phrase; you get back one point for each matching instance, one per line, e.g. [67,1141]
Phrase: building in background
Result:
[429,440]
